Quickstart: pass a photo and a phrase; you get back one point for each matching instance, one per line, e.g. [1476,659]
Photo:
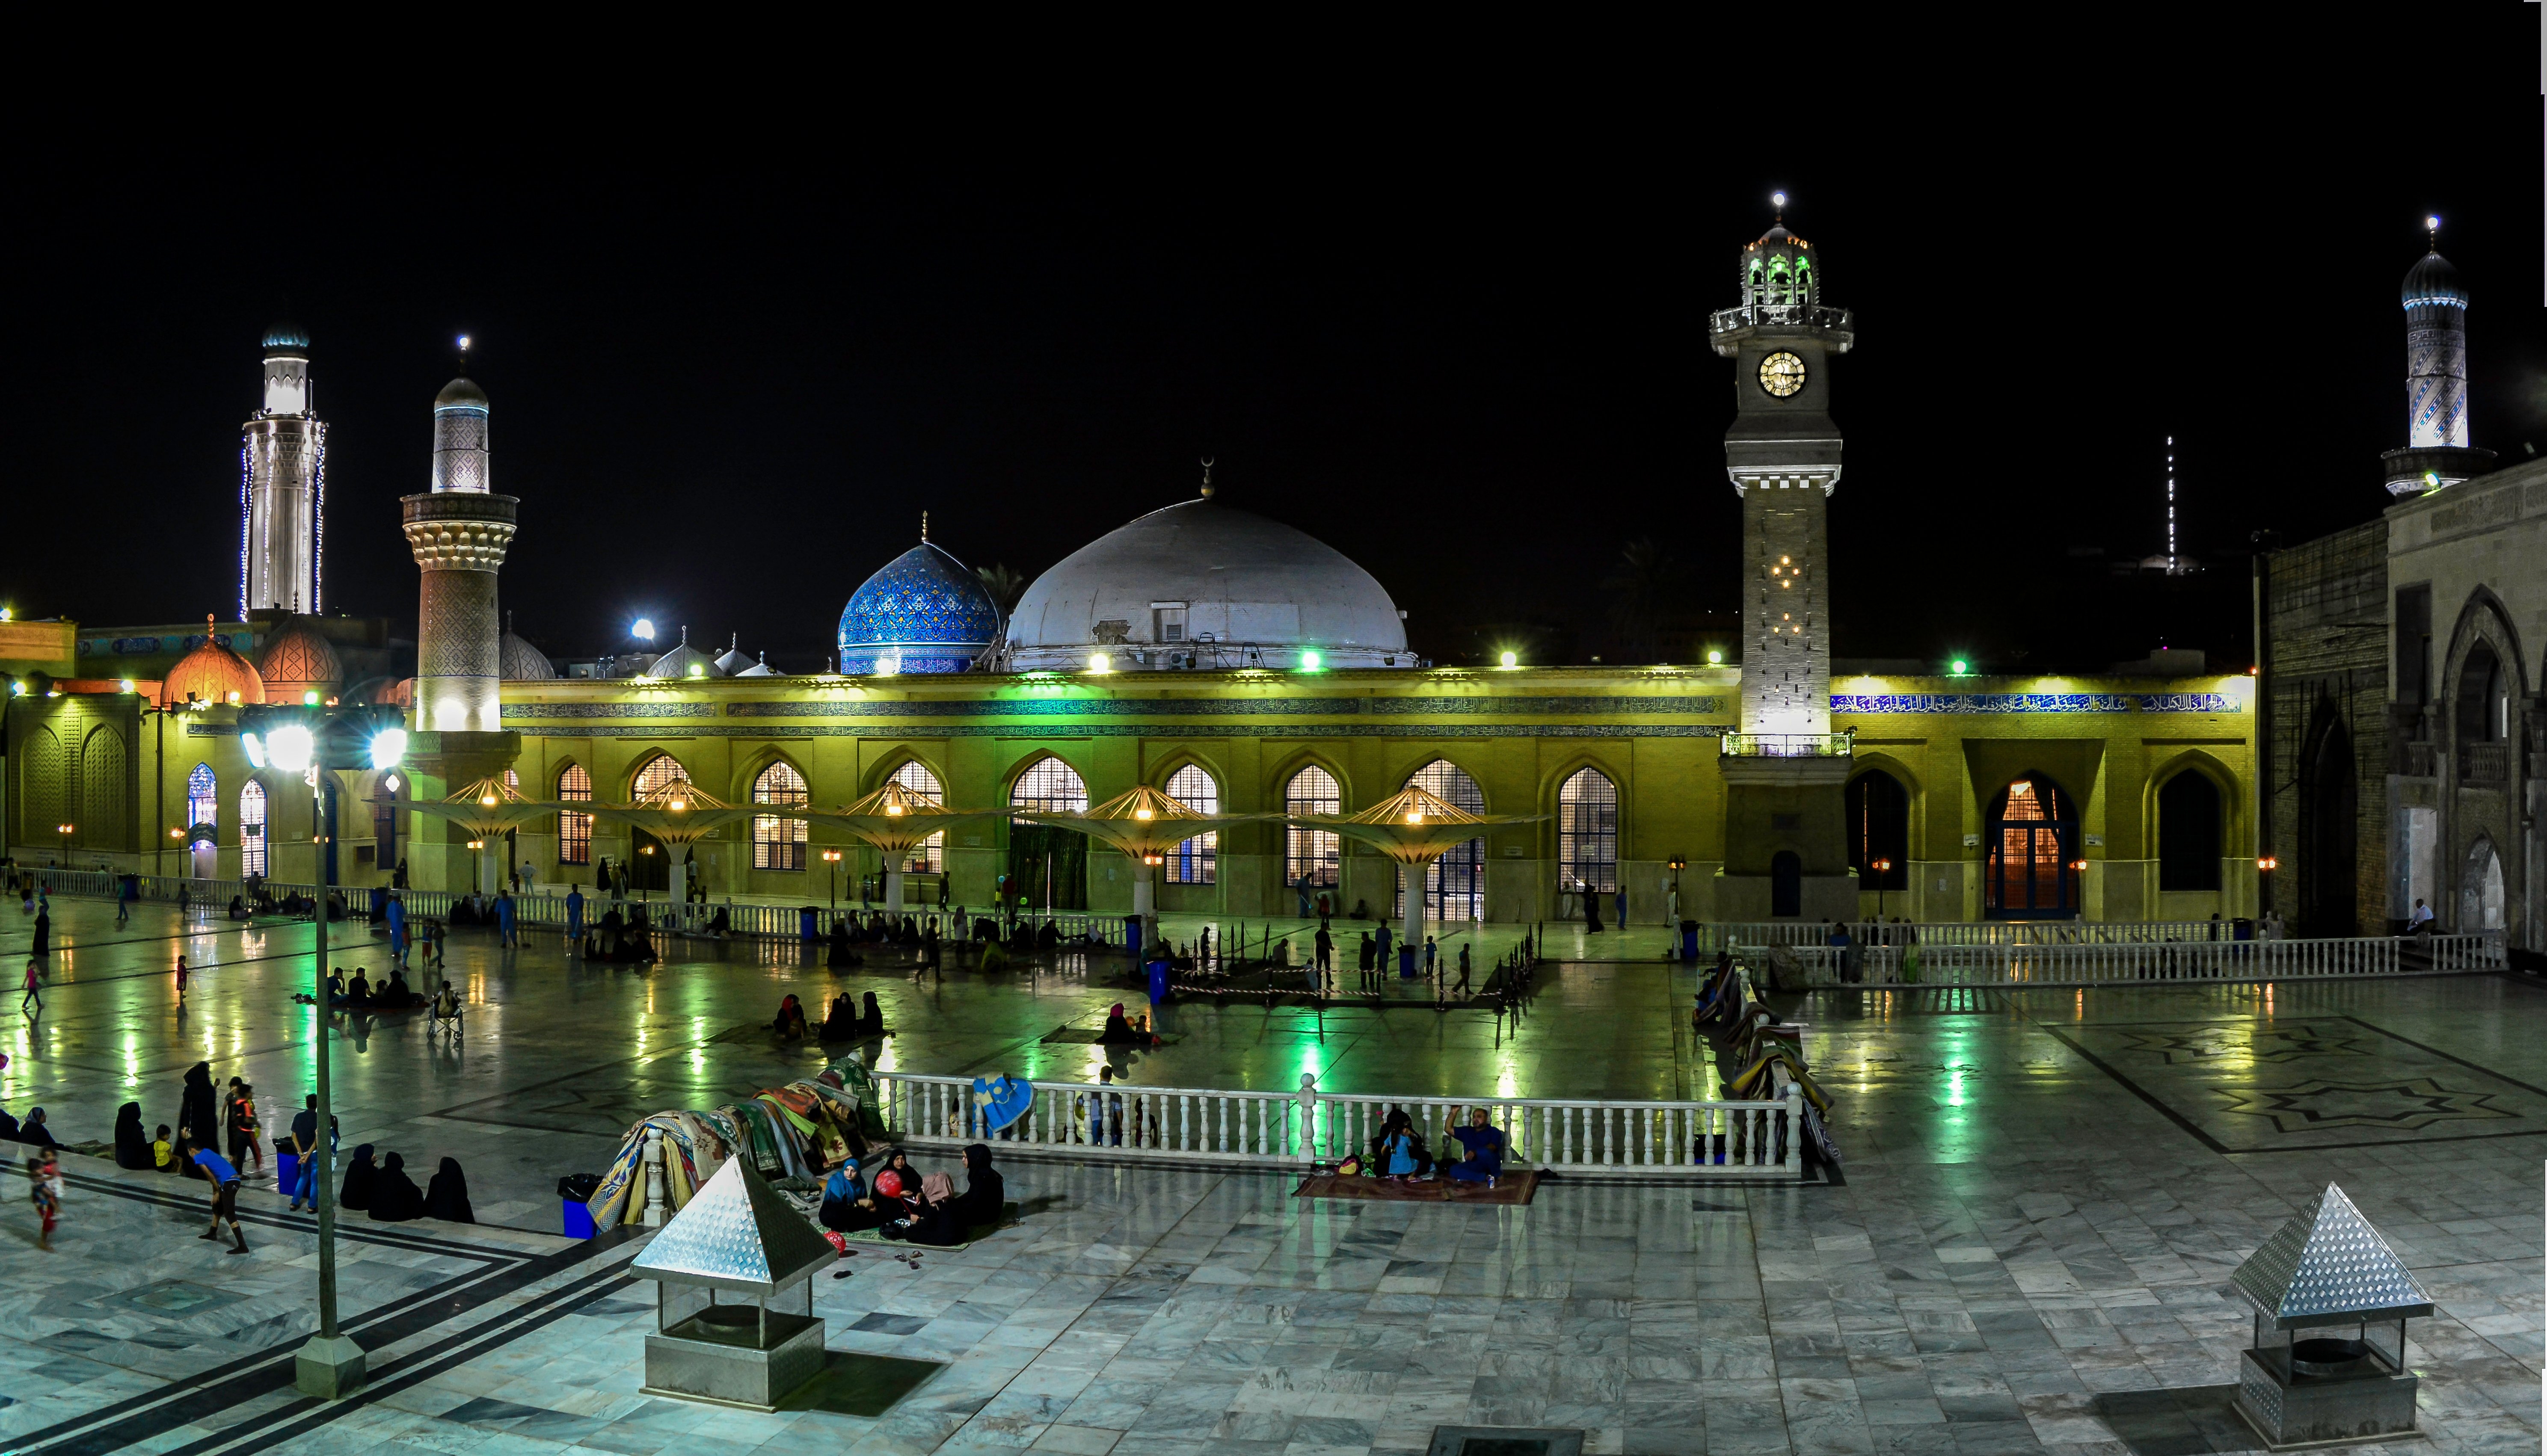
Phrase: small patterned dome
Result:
[730,661]
[460,394]
[297,659]
[2434,280]
[522,663]
[210,673]
[925,612]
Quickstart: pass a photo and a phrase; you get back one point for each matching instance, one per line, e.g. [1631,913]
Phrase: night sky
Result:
[1465,343]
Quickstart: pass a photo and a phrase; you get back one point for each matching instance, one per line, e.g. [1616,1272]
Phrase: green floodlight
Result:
[1312,659]
[1960,666]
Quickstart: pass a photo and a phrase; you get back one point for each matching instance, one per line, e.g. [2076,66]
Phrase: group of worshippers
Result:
[846,1022]
[362,993]
[385,1193]
[1120,1032]
[901,1203]
[801,1129]
[1472,1151]
[621,940]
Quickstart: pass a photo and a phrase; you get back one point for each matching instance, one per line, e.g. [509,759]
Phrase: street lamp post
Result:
[294,739]
[1883,869]
[831,874]
[65,831]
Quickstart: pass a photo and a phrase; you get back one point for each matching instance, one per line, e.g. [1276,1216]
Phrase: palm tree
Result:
[1003,586]
[1646,591]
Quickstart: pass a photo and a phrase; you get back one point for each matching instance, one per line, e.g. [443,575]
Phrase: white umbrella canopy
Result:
[897,819]
[488,807]
[1414,828]
[1145,824]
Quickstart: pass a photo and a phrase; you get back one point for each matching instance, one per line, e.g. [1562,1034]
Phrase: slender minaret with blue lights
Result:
[283,484]
[2436,451]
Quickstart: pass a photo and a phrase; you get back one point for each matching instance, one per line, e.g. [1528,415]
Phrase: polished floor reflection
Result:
[2045,1193]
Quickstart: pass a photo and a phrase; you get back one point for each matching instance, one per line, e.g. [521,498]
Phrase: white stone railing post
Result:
[1308,1098]
[1795,1129]
[656,1212]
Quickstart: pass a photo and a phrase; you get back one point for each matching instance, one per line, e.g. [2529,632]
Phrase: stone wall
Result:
[2328,671]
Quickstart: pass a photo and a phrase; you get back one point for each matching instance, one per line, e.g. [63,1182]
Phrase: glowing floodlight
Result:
[1311,660]
[1100,663]
[388,745]
[643,629]
[290,746]
[1512,659]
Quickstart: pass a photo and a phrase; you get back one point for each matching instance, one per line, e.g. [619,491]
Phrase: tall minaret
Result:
[2436,451]
[458,530]
[1783,456]
[283,484]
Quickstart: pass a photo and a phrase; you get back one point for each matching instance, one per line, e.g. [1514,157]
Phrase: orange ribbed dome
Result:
[297,659]
[210,673]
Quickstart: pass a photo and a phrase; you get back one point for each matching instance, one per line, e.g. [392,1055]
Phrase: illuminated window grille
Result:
[385,829]
[930,857]
[1312,854]
[661,772]
[1049,787]
[1587,831]
[574,830]
[513,781]
[1454,888]
[203,797]
[778,843]
[1197,860]
[252,829]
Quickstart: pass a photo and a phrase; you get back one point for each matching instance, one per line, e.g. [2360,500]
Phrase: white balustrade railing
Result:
[1821,965]
[1725,934]
[1203,1125]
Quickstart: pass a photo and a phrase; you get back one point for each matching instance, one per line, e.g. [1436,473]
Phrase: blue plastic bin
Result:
[576,1218]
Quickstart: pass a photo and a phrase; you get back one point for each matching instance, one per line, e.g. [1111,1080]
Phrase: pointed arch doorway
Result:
[2032,837]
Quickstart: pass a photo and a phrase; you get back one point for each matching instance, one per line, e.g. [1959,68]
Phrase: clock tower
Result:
[1786,773]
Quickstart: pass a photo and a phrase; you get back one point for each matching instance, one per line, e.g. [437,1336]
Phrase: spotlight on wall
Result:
[1312,659]
[643,629]
[1100,663]
[1512,659]
[1715,656]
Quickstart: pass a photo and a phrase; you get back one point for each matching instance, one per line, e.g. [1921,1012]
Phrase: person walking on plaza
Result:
[504,935]
[238,1123]
[1326,948]
[573,916]
[34,983]
[198,1120]
[122,899]
[396,915]
[1369,959]
[181,980]
[44,946]
[1462,987]
[45,1171]
[224,1179]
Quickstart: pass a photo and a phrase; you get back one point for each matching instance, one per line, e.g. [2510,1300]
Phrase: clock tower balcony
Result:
[1727,329]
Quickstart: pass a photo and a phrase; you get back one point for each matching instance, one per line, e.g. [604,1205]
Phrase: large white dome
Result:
[1199,584]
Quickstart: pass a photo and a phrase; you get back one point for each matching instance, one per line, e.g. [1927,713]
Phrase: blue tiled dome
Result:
[923,610]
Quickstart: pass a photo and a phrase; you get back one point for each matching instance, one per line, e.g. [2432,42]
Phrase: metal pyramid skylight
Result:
[2327,1264]
[735,1233]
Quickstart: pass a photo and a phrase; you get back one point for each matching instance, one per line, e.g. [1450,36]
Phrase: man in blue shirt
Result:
[574,917]
[1483,1143]
[217,1170]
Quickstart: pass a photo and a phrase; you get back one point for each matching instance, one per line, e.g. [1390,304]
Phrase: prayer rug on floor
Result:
[1512,1189]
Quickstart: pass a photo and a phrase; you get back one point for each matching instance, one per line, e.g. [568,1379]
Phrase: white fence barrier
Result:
[1714,1140]
[1822,965]
[546,908]
[1725,934]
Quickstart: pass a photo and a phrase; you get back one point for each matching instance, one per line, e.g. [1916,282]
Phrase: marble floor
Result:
[2045,1193]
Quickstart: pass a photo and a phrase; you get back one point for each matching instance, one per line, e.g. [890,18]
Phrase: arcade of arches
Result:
[1984,795]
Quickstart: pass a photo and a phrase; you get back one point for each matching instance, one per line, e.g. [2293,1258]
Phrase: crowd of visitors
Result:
[903,1204]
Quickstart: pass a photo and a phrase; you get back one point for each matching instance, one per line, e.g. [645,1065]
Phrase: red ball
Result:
[888,1185]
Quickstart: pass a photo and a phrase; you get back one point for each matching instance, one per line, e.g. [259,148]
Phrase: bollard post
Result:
[1308,1097]
[655,1213]
[1795,1129]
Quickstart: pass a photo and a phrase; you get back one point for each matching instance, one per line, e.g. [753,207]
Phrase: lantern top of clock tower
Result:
[1781,280]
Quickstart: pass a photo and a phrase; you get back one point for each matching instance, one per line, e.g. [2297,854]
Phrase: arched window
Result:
[1587,831]
[930,857]
[777,842]
[574,830]
[1803,280]
[2032,831]
[1878,828]
[1759,282]
[2481,889]
[2485,697]
[661,772]
[1778,280]
[1197,860]
[252,829]
[2188,832]
[1314,855]
[1047,863]
[1454,888]
[1050,787]
[203,797]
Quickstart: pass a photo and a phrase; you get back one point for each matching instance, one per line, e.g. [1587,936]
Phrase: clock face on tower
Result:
[1782,374]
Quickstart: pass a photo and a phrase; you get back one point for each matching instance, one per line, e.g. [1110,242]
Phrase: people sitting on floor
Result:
[397,995]
[837,953]
[931,1221]
[33,1132]
[447,1197]
[1481,1145]
[360,1175]
[1399,1152]
[789,1023]
[395,1197]
[849,1205]
[238,908]
[358,992]
[984,1194]
[870,1016]
[841,1022]
[1120,1032]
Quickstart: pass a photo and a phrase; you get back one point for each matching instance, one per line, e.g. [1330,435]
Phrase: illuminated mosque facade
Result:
[1233,663]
